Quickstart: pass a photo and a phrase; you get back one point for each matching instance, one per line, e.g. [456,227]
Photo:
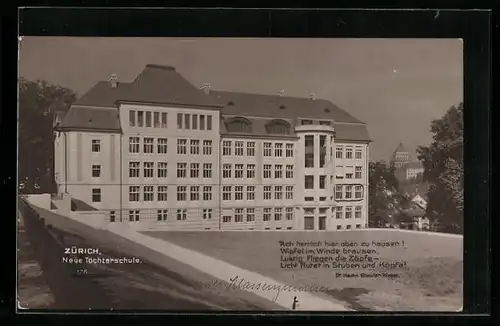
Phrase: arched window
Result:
[239,124]
[278,127]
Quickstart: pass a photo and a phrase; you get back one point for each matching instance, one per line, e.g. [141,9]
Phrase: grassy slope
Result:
[433,280]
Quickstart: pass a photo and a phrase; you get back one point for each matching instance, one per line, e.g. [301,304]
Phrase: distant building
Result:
[406,169]
[159,151]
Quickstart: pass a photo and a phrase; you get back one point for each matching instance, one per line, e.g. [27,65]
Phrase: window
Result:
[194,170]
[289,172]
[267,149]
[226,193]
[148,145]
[133,193]
[278,149]
[162,214]
[149,169]
[348,192]
[325,123]
[162,145]
[289,192]
[322,198]
[359,153]
[266,216]
[267,192]
[207,192]
[96,195]
[140,118]
[187,121]
[358,192]
[348,175]
[322,182]
[308,198]
[306,122]
[96,171]
[348,212]
[348,153]
[278,171]
[181,193]
[250,192]
[339,152]
[207,147]
[338,192]
[238,148]
[181,146]
[357,212]
[289,150]
[207,170]
[267,171]
[179,120]
[339,212]
[202,122]
[131,118]
[148,119]
[238,193]
[339,227]
[278,127]
[358,226]
[309,182]
[238,214]
[250,171]
[322,151]
[226,171]
[134,215]
[96,145]
[164,119]
[181,170]
[238,171]
[148,193]
[278,212]
[358,172]
[162,193]
[209,122]
[250,148]
[278,192]
[162,170]
[194,147]
[133,144]
[181,214]
[226,219]
[226,148]
[195,193]
[250,214]
[289,213]
[194,122]
[309,151]
[112,216]
[207,214]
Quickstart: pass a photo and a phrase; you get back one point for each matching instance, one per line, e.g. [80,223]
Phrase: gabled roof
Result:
[248,104]
[400,149]
[91,118]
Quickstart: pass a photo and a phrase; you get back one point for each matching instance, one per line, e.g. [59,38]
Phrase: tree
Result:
[38,100]
[443,163]
[383,190]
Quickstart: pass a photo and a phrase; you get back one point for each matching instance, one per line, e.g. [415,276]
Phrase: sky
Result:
[396,86]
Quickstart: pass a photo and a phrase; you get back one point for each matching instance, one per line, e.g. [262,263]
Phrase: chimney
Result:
[312,96]
[281,92]
[113,80]
[206,88]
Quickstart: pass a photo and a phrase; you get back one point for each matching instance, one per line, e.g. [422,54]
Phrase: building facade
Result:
[161,152]
[406,169]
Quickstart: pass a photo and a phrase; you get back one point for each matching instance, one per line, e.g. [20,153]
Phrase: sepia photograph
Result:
[240,174]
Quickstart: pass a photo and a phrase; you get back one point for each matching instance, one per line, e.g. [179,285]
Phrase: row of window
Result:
[279,192]
[239,171]
[346,212]
[238,214]
[162,146]
[152,119]
[188,121]
[347,193]
[162,170]
[356,173]
[227,149]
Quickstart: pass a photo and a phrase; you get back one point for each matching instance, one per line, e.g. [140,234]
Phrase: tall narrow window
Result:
[133,144]
[149,169]
[289,192]
[238,193]
[202,122]
[250,192]
[289,150]
[156,119]
[250,171]
[194,193]
[96,195]
[357,212]
[207,170]
[278,192]
[358,172]
[238,171]
[267,193]
[140,118]
[187,121]
[96,145]
[289,171]
[358,192]
[181,193]
[162,170]
[194,147]
[226,193]
[267,149]
[96,171]
[309,151]
[322,182]
[207,147]
[148,119]
[209,122]
[250,148]
[278,171]
[238,148]
[162,145]
[164,119]
[194,122]
[134,169]
[348,212]
[226,148]
[309,182]
[348,153]
[133,193]
[348,192]
[148,193]
[226,171]
[179,120]
[322,151]
[338,192]
[181,146]
[195,170]
[131,118]
[207,192]
[339,151]
[359,153]
[267,171]
[278,149]
[181,170]
[148,145]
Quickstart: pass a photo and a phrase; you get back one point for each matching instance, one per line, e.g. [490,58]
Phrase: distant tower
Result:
[400,157]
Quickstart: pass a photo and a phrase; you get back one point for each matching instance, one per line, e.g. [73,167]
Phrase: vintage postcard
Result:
[252,174]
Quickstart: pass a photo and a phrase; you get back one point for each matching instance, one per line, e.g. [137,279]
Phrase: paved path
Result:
[224,271]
